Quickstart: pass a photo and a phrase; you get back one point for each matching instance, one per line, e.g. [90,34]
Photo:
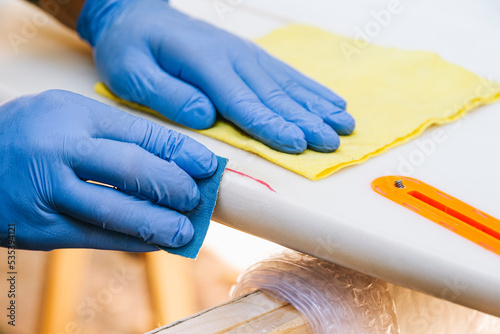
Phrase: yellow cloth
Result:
[393,95]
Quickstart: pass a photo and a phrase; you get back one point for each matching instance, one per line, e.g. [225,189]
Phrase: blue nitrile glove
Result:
[149,53]
[51,142]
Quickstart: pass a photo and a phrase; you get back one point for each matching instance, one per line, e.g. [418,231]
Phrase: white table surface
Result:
[339,218]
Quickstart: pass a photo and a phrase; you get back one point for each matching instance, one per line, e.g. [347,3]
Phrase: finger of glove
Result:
[130,168]
[320,137]
[98,238]
[275,66]
[79,234]
[339,119]
[143,81]
[113,210]
[239,104]
[188,154]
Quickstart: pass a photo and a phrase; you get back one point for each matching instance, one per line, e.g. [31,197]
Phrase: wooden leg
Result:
[172,286]
[66,275]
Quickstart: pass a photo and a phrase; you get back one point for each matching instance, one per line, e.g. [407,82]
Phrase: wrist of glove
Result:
[94,17]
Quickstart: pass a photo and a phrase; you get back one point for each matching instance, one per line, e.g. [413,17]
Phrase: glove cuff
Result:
[95,16]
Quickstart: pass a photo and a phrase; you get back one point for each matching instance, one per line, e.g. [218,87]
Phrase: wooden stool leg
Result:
[172,286]
[66,275]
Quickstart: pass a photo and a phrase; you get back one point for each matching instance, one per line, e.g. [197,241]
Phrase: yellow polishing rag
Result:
[393,95]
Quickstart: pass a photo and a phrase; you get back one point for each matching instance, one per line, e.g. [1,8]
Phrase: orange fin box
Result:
[441,208]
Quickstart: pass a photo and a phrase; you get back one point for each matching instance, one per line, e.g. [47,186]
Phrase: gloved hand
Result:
[51,142]
[149,53]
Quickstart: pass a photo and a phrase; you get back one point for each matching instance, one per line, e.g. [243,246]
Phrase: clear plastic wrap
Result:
[333,299]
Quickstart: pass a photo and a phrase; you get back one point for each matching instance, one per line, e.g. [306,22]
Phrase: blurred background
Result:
[113,293]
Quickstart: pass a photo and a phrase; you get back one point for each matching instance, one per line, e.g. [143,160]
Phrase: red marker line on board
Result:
[253,178]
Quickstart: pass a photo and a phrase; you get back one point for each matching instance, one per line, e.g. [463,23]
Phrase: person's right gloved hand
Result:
[51,142]
[149,53]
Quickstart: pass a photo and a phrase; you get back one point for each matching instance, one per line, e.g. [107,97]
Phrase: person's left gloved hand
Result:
[149,53]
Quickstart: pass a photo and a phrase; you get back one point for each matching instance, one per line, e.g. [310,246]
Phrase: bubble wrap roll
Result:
[333,299]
